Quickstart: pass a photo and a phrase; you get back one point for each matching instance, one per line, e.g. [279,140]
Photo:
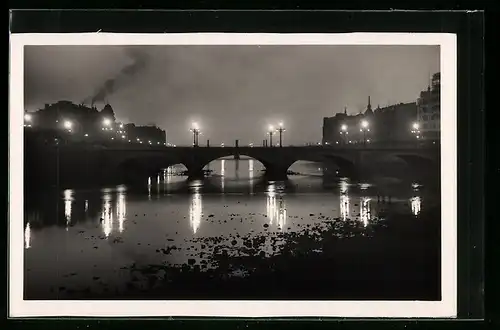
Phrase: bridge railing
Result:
[368,146]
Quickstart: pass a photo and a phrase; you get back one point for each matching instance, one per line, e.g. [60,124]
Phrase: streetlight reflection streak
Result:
[107,215]
[195,210]
[68,200]
[149,188]
[167,179]
[250,174]
[121,210]
[27,236]
[344,200]
[271,203]
[281,213]
[276,209]
[415,205]
[365,213]
[158,187]
[222,172]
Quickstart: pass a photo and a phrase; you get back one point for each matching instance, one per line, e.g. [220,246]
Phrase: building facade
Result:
[389,124]
[149,134]
[429,110]
[72,122]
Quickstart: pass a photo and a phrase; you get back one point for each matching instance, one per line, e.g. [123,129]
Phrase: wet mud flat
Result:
[394,257]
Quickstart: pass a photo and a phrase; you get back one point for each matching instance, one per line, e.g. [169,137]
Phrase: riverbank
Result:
[395,257]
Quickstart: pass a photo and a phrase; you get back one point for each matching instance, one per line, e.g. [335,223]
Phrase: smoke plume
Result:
[111,85]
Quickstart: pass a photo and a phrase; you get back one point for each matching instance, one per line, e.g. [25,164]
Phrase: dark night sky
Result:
[231,91]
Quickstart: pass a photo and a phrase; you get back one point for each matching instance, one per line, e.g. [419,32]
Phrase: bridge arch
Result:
[254,164]
[137,168]
[416,160]
[423,167]
[196,166]
[345,166]
[243,157]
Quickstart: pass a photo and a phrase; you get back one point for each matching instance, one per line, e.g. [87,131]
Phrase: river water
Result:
[83,243]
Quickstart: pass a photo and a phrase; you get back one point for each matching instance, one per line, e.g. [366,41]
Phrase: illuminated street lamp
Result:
[416,130]
[281,130]
[106,122]
[364,129]
[344,132]
[68,124]
[271,131]
[196,132]
[27,119]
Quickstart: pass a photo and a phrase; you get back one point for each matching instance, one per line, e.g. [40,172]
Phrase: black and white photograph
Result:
[229,169]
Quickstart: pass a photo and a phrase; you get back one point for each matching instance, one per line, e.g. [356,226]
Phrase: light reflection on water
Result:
[222,173]
[415,201]
[27,236]
[365,213]
[149,188]
[68,201]
[344,199]
[121,207]
[415,205]
[281,204]
[106,214]
[250,175]
[195,211]
[196,206]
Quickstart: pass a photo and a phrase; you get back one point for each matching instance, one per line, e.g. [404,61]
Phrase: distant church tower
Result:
[369,110]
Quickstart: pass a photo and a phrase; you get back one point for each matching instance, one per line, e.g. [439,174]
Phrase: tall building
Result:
[150,134]
[429,109]
[389,124]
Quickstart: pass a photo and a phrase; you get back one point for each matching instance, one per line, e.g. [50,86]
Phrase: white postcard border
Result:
[447,307]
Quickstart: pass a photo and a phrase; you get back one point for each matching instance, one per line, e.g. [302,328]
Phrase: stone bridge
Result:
[276,160]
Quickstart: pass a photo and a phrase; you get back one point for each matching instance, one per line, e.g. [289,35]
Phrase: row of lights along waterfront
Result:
[365,128]
[106,123]
[195,129]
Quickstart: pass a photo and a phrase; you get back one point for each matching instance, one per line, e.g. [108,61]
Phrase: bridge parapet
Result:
[275,159]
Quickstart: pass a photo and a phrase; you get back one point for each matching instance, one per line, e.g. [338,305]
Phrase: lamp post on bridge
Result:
[416,130]
[281,129]
[344,133]
[364,128]
[271,131]
[196,132]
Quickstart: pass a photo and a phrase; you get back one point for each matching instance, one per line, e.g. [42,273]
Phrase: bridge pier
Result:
[195,172]
[277,172]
